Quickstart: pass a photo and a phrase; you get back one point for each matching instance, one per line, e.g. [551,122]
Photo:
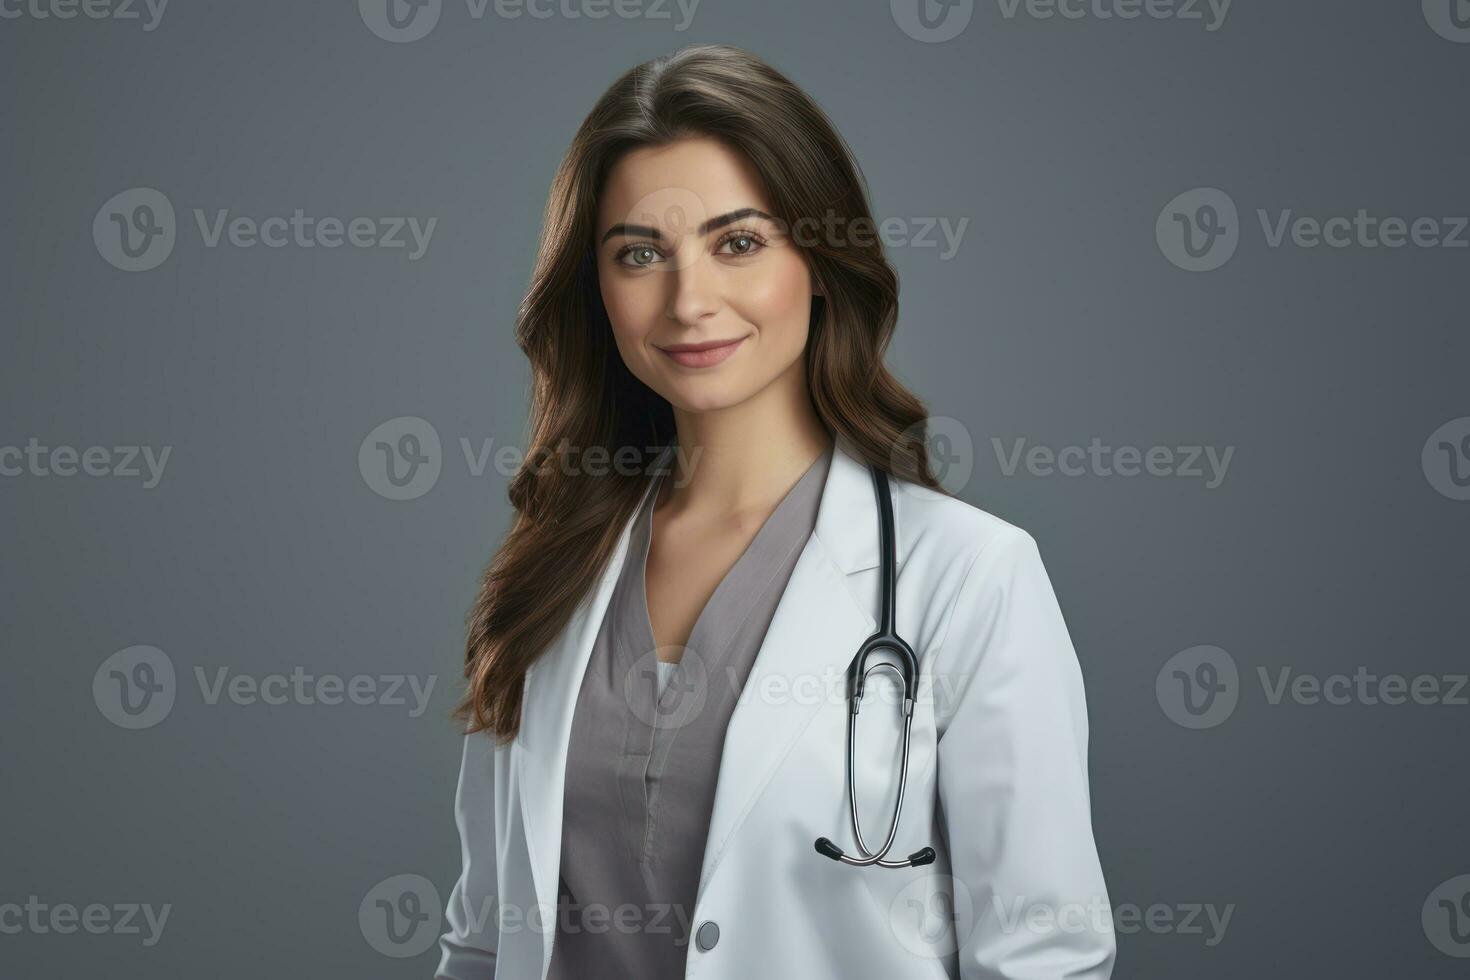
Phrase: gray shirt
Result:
[644,757]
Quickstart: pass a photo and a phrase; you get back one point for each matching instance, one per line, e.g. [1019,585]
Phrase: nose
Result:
[694,290]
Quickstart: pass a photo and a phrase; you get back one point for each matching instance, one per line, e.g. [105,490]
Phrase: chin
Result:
[706,394]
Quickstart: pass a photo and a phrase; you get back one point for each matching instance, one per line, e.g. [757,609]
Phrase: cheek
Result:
[621,304]
[778,300]
[632,311]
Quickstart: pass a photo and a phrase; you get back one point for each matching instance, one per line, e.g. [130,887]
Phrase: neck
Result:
[745,458]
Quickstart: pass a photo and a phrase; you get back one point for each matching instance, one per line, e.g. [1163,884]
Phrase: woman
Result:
[657,702]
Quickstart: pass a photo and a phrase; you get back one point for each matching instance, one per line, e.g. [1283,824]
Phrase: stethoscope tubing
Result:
[886,638]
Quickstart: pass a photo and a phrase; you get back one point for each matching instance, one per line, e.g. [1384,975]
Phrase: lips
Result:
[702,355]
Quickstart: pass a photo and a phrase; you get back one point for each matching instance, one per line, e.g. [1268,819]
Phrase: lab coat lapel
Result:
[552,685]
[802,662]
[814,633]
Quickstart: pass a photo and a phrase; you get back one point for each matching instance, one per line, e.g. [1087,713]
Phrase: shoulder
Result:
[999,614]
[941,531]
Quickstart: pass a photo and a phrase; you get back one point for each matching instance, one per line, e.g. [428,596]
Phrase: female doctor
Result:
[662,757]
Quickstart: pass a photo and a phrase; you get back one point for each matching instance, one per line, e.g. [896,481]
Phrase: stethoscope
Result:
[886,638]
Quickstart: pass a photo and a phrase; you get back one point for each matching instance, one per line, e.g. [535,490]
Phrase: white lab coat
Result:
[998,780]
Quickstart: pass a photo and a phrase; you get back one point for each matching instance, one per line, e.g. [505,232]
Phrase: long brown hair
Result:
[583,397]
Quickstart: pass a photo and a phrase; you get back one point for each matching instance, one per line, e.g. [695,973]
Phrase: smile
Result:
[702,355]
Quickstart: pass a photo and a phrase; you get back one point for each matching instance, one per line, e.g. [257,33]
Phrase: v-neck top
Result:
[644,755]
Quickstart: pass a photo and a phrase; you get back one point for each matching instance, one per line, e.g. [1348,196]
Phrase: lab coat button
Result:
[707,936]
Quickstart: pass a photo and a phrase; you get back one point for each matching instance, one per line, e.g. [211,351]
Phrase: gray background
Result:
[1325,828]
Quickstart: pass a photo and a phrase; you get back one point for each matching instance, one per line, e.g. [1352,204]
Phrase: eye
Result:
[744,242]
[643,256]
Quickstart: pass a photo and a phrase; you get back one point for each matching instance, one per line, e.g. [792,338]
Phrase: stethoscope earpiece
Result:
[917,859]
[886,638]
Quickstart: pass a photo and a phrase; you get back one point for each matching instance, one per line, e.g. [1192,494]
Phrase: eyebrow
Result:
[718,221]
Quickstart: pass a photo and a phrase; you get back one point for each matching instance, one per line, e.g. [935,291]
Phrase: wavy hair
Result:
[567,524]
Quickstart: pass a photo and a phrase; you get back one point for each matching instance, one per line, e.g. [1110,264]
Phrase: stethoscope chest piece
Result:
[885,639]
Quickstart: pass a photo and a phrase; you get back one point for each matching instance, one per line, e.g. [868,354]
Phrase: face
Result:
[709,301]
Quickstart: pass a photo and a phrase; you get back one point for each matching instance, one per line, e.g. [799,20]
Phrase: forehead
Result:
[679,183]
